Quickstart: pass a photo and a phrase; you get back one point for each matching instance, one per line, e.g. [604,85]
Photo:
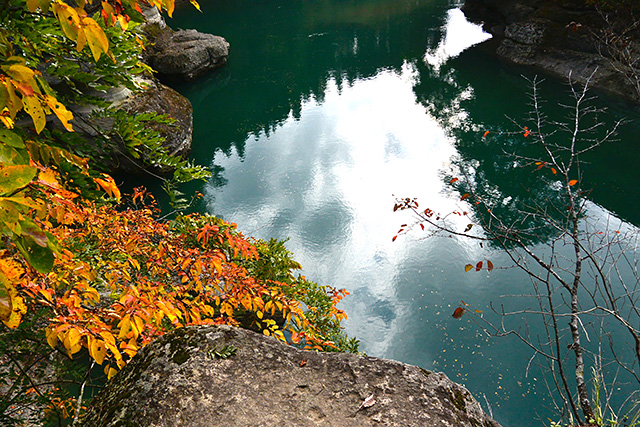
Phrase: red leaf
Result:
[489,265]
[422,226]
[24,88]
[453,180]
[458,312]
[479,266]
[394,238]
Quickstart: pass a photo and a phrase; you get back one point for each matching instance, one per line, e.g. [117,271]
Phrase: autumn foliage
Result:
[121,278]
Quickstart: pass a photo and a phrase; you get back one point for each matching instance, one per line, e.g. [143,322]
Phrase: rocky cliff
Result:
[225,376]
[563,37]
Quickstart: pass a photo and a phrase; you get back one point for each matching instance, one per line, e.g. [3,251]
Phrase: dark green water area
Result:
[329,108]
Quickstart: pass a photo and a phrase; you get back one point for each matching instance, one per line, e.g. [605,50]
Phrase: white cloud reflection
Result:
[326,181]
[460,34]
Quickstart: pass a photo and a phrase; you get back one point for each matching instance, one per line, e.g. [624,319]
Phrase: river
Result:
[328,110]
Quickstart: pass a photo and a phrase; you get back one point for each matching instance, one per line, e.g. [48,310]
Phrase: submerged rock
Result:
[225,376]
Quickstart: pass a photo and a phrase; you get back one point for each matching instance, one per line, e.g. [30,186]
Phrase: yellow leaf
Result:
[124,22]
[33,107]
[125,326]
[108,185]
[170,6]
[68,18]
[12,306]
[6,121]
[139,323]
[52,336]
[72,341]
[15,104]
[96,38]
[111,373]
[32,5]
[60,111]
[81,41]
[98,351]
[21,73]
[195,4]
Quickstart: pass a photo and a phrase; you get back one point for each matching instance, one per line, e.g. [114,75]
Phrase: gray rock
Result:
[162,99]
[527,32]
[156,98]
[560,38]
[178,380]
[184,54]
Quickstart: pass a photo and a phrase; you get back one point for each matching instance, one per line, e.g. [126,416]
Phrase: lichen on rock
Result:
[175,381]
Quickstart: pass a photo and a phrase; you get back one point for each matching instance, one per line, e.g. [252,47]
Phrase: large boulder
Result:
[225,376]
[183,55]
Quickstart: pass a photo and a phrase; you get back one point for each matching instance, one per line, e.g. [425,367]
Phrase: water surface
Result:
[327,111]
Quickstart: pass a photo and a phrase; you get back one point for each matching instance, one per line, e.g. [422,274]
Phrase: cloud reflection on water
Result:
[326,181]
[459,35]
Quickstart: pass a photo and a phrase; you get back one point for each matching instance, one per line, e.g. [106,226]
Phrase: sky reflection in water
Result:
[327,182]
[325,178]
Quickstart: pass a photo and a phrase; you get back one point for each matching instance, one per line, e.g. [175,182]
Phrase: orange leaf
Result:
[573,182]
[465,196]
[554,171]
[479,266]
[485,134]
[468,268]
[453,180]
[489,265]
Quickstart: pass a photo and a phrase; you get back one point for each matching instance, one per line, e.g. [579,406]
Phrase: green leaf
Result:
[31,229]
[10,216]
[11,156]
[10,138]
[38,257]
[13,178]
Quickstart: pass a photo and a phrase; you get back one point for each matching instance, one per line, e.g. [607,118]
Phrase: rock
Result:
[558,37]
[183,54]
[180,380]
[156,98]
[162,99]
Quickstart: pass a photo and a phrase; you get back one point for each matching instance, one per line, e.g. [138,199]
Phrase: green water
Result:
[326,110]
